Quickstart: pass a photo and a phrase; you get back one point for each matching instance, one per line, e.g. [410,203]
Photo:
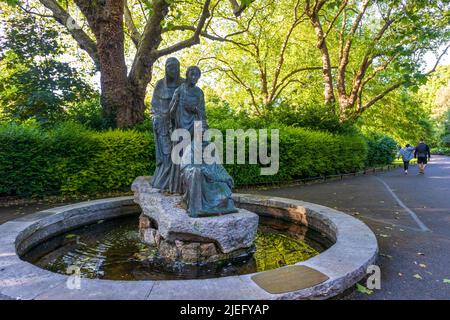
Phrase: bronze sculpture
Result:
[206,187]
[164,90]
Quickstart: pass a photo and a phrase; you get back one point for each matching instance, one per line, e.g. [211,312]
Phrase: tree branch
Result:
[294,72]
[377,70]
[295,23]
[213,36]
[330,26]
[281,89]
[234,76]
[323,47]
[140,72]
[83,40]
[134,33]
[344,58]
[380,96]
[238,9]
[195,39]
[438,60]
[29,11]
[397,85]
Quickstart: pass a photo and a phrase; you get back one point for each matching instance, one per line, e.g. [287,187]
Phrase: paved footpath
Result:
[410,216]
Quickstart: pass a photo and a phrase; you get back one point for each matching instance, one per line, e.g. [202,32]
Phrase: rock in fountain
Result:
[188,212]
[179,237]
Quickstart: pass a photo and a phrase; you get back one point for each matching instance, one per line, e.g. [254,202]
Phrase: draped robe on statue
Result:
[187,106]
[161,128]
[207,185]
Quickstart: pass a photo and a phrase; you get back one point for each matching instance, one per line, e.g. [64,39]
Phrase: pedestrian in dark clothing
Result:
[423,155]
[407,154]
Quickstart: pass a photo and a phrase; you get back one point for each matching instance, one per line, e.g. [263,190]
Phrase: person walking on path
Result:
[407,154]
[423,155]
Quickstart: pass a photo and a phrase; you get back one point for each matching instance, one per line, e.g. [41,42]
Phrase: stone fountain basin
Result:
[344,263]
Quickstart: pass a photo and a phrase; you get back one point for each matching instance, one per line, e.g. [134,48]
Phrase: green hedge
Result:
[382,150]
[71,159]
[304,154]
[441,151]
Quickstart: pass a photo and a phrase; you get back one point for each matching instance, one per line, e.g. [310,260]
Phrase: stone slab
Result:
[230,231]
[93,289]
[24,281]
[227,288]
[288,279]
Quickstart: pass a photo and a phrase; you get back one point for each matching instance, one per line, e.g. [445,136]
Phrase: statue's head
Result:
[172,68]
[193,73]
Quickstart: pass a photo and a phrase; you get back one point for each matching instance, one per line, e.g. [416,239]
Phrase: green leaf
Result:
[12,2]
[363,289]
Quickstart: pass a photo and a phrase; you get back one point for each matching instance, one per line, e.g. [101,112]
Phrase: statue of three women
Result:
[179,103]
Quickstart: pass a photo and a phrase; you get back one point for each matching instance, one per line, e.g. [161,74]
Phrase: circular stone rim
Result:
[345,262]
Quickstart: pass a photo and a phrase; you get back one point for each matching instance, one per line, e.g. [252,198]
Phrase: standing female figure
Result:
[187,107]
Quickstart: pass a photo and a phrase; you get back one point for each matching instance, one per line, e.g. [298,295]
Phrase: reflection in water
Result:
[112,250]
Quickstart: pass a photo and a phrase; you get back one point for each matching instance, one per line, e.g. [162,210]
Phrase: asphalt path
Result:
[410,216]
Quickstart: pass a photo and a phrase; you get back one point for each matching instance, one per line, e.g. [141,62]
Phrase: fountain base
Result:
[166,225]
[190,252]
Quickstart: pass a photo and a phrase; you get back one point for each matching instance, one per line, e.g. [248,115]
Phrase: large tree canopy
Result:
[103,28]
[377,46]
[356,51]
[345,55]
[34,83]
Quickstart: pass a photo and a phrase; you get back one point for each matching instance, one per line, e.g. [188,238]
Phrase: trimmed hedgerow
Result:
[71,159]
[305,154]
[382,150]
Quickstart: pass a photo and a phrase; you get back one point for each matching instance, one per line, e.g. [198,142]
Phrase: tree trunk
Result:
[105,19]
[115,96]
[326,62]
[132,111]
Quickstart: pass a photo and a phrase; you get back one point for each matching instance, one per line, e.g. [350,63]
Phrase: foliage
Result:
[312,116]
[87,112]
[264,62]
[70,159]
[435,95]
[435,98]
[446,141]
[279,250]
[441,151]
[34,84]
[363,289]
[382,150]
[401,116]
[263,69]
[274,54]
